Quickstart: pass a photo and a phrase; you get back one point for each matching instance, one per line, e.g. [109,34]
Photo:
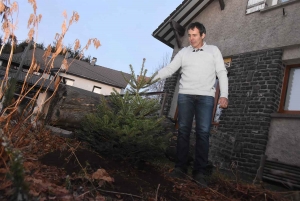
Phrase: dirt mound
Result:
[127,179]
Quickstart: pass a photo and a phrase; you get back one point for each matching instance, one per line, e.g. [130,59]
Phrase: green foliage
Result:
[126,126]
[9,93]
[141,82]
[18,47]
[16,173]
[17,176]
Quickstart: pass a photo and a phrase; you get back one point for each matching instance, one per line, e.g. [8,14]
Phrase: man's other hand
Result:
[223,102]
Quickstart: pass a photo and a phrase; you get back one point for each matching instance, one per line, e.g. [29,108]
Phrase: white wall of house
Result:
[284,138]
[235,32]
[89,84]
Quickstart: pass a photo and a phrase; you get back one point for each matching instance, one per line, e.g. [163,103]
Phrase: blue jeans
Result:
[201,107]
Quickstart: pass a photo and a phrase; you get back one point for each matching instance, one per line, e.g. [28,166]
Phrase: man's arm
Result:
[223,82]
[223,79]
[171,68]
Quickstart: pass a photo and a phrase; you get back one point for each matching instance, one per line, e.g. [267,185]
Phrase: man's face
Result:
[195,39]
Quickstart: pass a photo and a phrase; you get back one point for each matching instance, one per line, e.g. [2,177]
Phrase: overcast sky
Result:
[124,28]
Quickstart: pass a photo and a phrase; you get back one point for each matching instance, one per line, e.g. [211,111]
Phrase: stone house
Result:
[260,43]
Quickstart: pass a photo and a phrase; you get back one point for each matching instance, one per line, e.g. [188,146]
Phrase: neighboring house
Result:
[88,77]
[80,74]
[260,43]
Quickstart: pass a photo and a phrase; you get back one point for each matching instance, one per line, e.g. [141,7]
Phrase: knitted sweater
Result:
[198,71]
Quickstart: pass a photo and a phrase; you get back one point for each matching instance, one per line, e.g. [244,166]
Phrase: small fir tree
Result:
[127,125]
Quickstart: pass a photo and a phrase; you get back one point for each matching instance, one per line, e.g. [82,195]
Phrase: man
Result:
[200,64]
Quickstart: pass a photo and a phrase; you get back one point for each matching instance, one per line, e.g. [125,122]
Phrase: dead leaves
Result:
[30,20]
[38,186]
[33,20]
[65,14]
[30,34]
[74,18]
[34,67]
[14,7]
[2,7]
[5,185]
[29,165]
[33,3]
[64,65]
[101,175]
[95,41]
[77,45]
[64,27]
[3,170]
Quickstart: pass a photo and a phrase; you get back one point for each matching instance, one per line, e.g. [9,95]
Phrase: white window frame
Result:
[69,81]
[290,95]
[257,5]
[97,90]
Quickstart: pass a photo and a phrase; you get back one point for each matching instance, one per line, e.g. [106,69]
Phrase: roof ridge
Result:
[101,66]
[80,68]
[101,76]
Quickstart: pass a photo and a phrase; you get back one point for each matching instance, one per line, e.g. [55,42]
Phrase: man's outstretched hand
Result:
[223,102]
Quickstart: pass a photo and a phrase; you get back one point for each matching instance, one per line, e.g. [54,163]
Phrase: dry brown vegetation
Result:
[23,149]
[73,175]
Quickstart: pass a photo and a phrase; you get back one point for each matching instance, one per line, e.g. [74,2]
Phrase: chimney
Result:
[93,61]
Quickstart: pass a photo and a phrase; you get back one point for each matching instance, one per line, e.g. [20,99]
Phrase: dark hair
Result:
[199,26]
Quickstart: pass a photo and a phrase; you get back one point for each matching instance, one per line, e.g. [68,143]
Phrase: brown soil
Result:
[127,179]
[62,169]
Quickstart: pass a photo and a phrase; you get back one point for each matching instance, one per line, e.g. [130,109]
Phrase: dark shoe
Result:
[200,180]
[178,173]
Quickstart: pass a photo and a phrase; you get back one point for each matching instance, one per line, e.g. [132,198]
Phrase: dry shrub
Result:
[19,134]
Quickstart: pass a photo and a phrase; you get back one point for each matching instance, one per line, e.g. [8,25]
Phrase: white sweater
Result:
[198,71]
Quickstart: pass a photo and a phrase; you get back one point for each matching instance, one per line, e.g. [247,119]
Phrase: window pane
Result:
[252,2]
[255,8]
[272,2]
[69,82]
[293,93]
[97,90]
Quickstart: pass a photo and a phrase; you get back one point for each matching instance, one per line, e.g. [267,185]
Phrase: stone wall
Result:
[70,105]
[255,81]
[169,87]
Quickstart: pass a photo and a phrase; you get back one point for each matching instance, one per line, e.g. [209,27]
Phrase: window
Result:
[257,5]
[275,2]
[290,95]
[69,82]
[97,90]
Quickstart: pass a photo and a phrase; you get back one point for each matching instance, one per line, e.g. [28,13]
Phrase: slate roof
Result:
[32,79]
[77,68]
[183,15]
[170,16]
